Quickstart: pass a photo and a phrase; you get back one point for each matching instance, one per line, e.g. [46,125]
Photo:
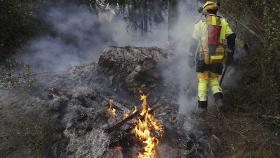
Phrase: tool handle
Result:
[223,75]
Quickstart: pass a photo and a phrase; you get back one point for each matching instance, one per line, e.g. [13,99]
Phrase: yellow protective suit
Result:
[200,34]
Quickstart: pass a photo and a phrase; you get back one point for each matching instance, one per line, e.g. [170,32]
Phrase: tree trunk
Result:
[172,18]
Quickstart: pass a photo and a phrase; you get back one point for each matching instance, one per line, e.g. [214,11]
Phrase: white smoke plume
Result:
[185,74]
[78,35]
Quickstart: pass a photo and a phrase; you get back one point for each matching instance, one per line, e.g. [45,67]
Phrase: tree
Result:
[172,17]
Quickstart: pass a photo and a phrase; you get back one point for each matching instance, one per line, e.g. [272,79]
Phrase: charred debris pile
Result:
[120,106]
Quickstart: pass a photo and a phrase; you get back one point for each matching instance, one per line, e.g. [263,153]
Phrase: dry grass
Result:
[235,135]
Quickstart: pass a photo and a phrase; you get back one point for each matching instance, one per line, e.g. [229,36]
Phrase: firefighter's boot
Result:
[202,105]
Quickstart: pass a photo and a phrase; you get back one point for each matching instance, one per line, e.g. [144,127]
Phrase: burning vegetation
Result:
[69,114]
[96,119]
[148,130]
[144,130]
[111,110]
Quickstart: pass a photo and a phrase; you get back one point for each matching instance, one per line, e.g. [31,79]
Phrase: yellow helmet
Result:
[209,5]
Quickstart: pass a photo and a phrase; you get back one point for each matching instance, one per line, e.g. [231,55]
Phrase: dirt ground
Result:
[237,135]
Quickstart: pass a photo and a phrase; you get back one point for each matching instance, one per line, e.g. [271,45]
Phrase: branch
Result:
[245,27]
[116,104]
[134,115]
[270,117]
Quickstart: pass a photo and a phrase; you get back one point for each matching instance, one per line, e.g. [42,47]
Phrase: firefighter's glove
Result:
[200,66]
[229,58]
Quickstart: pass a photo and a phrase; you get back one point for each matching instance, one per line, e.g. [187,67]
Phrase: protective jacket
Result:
[211,33]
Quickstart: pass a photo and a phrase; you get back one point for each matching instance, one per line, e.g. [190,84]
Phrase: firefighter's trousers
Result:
[204,79]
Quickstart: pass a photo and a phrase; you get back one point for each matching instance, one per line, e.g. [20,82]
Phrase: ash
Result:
[77,103]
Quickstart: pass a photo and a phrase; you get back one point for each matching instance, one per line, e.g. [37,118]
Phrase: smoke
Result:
[78,35]
[184,73]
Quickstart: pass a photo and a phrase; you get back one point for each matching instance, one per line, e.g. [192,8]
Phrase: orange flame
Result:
[143,131]
[112,110]
[128,112]
[135,109]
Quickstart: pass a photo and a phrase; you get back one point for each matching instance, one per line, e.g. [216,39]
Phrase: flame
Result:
[145,128]
[128,112]
[144,105]
[143,131]
[135,109]
[112,110]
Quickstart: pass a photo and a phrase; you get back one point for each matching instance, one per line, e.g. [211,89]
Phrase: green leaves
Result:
[17,24]
[260,78]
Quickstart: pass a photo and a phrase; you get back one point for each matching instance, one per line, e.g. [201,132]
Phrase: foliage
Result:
[259,88]
[26,137]
[26,130]
[16,75]
[18,24]
[140,15]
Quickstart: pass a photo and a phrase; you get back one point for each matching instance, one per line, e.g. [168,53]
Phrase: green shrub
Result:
[259,88]
[18,24]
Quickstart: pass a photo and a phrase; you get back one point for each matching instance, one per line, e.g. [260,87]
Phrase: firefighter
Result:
[213,46]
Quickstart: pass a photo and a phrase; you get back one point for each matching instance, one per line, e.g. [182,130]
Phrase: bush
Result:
[18,24]
[27,130]
[259,88]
